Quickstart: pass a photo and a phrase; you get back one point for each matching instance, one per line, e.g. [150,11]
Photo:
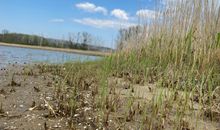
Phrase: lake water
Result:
[23,55]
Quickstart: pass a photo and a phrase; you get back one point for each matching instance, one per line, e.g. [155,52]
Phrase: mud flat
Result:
[26,98]
[37,97]
[45,97]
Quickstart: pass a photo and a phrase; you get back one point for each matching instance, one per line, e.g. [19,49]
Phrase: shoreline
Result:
[83,52]
[37,103]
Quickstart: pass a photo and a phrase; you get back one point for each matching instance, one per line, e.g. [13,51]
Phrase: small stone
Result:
[76,115]
[49,98]
[55,126]
[87,109]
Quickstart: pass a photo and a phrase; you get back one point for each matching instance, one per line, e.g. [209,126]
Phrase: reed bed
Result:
[178,52]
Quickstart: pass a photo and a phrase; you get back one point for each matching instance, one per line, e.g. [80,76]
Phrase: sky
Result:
[58,18]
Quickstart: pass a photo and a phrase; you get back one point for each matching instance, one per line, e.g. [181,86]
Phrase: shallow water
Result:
[12,55]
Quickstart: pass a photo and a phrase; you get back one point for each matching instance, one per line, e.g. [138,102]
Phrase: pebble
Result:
[55,126]
[87,109]
[14,106]
[49,98]
[76,115]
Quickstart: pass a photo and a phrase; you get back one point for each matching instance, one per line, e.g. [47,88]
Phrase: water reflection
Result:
[24,55]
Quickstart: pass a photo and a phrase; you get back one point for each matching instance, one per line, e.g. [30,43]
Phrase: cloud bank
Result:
[144,13]
[90,7]
[103,23]
[120,14]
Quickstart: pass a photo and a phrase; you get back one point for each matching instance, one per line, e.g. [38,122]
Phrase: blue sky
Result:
[57,18]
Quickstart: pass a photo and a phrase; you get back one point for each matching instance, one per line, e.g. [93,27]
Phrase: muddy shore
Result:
[30,99]
[25,100]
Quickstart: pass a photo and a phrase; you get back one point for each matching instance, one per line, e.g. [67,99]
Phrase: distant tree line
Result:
[75,41]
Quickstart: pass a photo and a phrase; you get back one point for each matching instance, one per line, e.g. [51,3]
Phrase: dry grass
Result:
[178,52]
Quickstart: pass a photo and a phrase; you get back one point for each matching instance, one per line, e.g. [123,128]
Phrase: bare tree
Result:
[5,31]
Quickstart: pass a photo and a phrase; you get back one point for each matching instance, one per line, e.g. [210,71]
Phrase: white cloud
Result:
[90,7]
[57,20]
[102,23]
[120,14]
[144,13]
